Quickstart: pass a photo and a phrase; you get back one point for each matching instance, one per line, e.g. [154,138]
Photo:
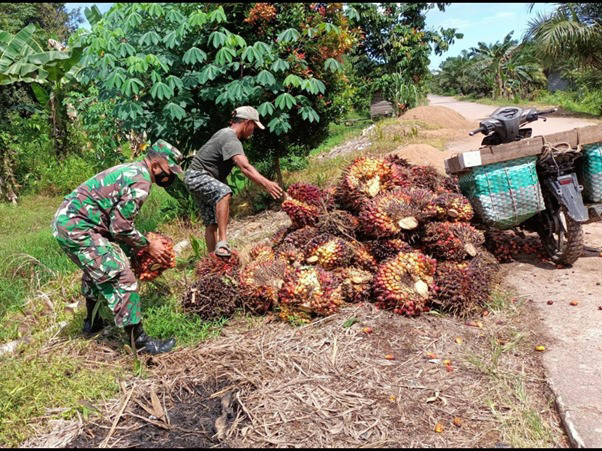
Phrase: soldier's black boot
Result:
[91,328]
[146,344]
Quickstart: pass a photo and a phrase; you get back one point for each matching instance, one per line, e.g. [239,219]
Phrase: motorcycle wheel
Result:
[561,236]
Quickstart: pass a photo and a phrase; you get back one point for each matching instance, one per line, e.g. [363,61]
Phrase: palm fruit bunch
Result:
[364,179]
[212,296]
[212,264]
[355,284]
[506,246]
[301,213]
[388,215]
[426,176]
[310,194]
[452,207]
[385,249]
[338,222]
[451,185]
[311,289]
[280,234]
[291,253]
[403,283]
[144,265]
[452,240]
[363,258]
[301,237]
[260,281]
[422,200]
[261,252]
[464,288]
[329,252]
[398,161]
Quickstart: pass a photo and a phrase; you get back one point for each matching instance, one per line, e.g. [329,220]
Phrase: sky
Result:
[480,22]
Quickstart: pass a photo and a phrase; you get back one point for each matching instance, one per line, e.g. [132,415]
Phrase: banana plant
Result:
[22,59]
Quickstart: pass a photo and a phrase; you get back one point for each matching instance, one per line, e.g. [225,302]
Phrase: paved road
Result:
[572,335]
[476,112]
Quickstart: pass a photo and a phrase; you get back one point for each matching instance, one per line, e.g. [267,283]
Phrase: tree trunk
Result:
[59,124]
[277,170]
[8,184]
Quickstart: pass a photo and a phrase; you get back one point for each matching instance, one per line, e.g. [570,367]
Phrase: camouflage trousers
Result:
[106,273]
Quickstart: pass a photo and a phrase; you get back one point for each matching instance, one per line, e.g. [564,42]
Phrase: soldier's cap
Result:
[248,112]
[171,154]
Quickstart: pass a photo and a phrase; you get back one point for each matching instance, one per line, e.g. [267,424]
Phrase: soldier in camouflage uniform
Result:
[102,210]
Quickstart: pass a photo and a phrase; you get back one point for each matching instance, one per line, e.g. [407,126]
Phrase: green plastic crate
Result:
[504,194]
[591,168]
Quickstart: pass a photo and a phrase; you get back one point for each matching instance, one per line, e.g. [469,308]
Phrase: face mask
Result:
[164,179]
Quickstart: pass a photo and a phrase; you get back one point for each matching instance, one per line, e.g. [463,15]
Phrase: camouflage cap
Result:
[171,154]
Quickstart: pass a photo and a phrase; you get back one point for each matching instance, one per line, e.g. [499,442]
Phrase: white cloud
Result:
[455,23]
[503,15]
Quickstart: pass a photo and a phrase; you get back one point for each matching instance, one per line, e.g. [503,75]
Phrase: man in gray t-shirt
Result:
[211,165]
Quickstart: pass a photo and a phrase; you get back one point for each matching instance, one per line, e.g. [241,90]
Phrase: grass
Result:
[507,366]
[340,133]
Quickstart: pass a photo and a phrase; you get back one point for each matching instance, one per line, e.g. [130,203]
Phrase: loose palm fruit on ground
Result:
[452,240]
[506,245]
[403,283]
[260,281]
[212,296]
[329,252]
[388,215]
[212,264]
[145,267]
[301,214]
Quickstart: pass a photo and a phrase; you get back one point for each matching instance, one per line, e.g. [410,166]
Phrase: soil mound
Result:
[438,115]
[421,154]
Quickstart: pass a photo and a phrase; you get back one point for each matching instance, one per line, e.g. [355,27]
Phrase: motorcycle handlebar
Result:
[475,131]
[551,110]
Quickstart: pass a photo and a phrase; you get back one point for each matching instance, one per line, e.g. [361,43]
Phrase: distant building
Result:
[556,82]
[380,106]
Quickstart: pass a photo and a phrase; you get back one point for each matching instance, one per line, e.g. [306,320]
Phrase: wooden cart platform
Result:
[524,148]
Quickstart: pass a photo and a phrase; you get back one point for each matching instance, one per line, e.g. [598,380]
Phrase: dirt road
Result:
[571,335]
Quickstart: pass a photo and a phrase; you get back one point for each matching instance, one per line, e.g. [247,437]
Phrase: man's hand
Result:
[159,251]
[274,189]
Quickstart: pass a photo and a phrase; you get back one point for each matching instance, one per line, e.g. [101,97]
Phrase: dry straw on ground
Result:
[327,385]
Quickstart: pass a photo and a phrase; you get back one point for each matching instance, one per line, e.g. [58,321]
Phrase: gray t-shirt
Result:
[216,155]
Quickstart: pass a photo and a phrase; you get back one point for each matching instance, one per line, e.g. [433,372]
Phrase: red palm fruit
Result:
[355,284]
[404,283]
[260,281]
[329,252]
[426,176]
[261,252]
[212,296]
[312,290]
[309,194]
[301,214]
[388,215]
[362,258]
[212,264]
[464,288]
[384,249]
[452,240]
[338,222]
[453,207]
[145,267]
[300,238]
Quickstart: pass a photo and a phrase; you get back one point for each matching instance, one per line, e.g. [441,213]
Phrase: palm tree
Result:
[492,58]
[572,31]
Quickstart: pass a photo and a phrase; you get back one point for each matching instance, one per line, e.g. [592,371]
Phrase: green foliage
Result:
[394,54]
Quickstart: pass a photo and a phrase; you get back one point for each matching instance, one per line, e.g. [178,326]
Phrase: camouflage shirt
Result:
[106,204]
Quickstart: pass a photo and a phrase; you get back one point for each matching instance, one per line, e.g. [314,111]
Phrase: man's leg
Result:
[211,237]
[222,210]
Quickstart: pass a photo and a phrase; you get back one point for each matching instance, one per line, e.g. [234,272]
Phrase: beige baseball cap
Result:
[248,112]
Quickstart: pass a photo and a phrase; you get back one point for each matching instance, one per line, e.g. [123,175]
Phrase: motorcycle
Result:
[559,226]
